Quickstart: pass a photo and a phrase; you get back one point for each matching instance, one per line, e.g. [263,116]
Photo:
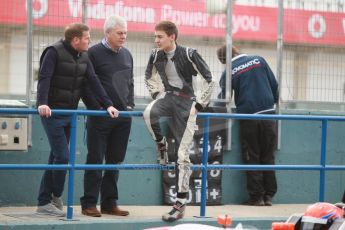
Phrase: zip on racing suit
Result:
[177,103]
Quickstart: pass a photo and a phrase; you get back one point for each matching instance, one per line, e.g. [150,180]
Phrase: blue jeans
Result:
[57,129]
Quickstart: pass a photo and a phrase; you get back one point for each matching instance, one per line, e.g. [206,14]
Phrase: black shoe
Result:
[252,202]
[268,200]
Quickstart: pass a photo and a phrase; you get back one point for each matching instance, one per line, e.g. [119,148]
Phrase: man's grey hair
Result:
[112,21]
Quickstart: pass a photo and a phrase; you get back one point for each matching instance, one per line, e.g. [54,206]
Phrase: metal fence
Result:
[308,58]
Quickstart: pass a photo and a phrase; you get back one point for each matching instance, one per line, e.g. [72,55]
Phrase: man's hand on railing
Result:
[113,112]
[44,111]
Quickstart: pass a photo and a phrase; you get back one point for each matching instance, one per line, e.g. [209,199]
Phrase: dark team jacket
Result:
[254,85]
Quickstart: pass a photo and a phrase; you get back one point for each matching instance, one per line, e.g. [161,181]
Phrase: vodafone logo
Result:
[39,8]
[317,26]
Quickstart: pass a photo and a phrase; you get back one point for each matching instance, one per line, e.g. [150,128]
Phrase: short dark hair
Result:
[75,30]
[221,53]
[168,27]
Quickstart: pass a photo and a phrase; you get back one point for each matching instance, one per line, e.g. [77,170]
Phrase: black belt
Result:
[181,94]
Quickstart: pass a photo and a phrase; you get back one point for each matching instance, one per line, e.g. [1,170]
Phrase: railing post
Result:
[204,169]
[323,159]
[71,171]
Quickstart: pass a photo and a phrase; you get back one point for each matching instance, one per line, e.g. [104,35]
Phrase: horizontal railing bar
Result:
[200,115]
[86,166]
[168,167]
[34,166]
[276,167]
[270,116]
[69,112]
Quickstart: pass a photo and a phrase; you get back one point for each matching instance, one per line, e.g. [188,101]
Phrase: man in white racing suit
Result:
[169,78]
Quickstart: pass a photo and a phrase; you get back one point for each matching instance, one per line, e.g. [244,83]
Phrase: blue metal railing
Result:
[204,167]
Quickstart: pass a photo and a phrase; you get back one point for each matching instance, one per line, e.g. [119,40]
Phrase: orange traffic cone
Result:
[224,220]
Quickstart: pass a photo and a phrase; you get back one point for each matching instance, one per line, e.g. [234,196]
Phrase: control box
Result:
[13,133]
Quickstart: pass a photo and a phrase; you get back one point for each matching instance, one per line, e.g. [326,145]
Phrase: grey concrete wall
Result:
[300,144]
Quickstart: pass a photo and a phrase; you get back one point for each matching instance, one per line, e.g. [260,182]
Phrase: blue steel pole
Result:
[204,169]
[72,169]
[323,159]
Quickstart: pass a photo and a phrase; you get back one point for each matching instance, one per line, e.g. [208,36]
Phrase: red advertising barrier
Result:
[249,22]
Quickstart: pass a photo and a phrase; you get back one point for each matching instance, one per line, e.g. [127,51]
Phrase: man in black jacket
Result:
[108,138]
[63,70]
[176,67]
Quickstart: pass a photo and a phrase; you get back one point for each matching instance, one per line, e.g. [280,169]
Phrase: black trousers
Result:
[343,200]
[258,142]
[107,139]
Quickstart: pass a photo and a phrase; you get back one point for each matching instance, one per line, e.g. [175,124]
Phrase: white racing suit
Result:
[179,104]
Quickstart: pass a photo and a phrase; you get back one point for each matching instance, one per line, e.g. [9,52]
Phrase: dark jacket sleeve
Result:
[130,98]
[200,64]
[47,68]
[89,98]
[153,81]
[273,82]
[222,85]
[202,68]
